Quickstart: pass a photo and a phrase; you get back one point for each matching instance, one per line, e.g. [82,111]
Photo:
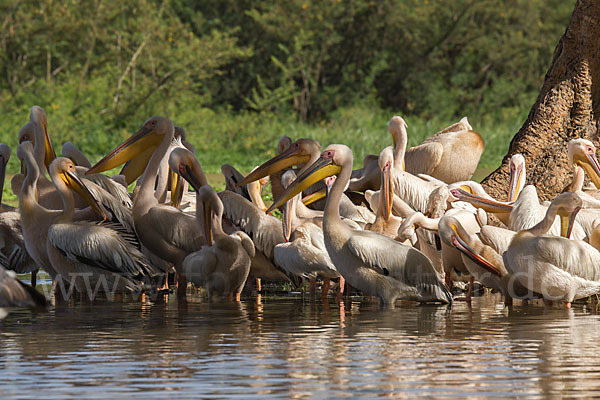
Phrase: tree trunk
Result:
[567,107]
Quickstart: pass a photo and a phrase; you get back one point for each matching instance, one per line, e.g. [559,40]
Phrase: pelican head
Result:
[284,143]
[566,205]
[397,128]
[330,163]
[232,178]
[144,141]
[453,234]
[64,169]
[182,135]
[299,152]
[517,176]
[582,152]
[185,163]
[385,162]
[37,115]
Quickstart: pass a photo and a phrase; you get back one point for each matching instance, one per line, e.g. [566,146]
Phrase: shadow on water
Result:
[288,348]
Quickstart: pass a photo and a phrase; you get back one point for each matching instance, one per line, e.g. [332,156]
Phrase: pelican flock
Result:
[407,226]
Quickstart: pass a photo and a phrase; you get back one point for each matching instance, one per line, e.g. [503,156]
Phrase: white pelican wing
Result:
[423,158]
[100,247]
[182,231]
[391,258]
[573,256]
[264,230]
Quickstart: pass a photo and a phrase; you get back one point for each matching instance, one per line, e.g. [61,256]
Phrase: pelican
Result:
[556,267]
[265,231]
[302,151]
[437,155]
[527,211]
[408,187]
[35,219]
[369,261]
[15,294]
[481,261]
[385,223]
[304,251]
[223,265]
[582,157]
[13,254]
[242,215]
[91,256]
[434,157]
[306,151]
[166,231]
[232,178]
[450,257]
[36,132]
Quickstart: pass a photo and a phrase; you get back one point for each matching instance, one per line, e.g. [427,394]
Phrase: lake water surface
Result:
[288,348]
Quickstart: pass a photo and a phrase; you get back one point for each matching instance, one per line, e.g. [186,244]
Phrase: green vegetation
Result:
[238,74]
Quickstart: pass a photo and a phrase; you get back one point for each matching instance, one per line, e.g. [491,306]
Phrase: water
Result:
[286,348]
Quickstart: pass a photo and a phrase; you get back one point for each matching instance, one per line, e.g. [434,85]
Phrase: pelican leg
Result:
[165,286]
[238,296]
[258,286]
[33,278]
[181,286]
[508,301]
[340,291]
[325,289]
[448,281]
[470,291]
[312,284]
[568,305]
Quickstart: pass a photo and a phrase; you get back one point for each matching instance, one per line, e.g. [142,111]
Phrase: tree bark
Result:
[567,107]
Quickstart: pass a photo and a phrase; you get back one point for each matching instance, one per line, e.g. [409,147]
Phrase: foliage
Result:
[239,74]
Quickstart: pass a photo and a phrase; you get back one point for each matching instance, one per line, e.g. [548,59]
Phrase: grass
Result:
[246,139]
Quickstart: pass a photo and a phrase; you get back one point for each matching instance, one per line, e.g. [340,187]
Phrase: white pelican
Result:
[385,223]
[223,265]
[369,261]
[450,155]
[582,157]
[305,152]
[241,215]
[13,254]
[35,219]
[232,178]
[15,294]
[89,255]
[36,132]
[556,267]
[525,212]
[434,157]
[481,261]
[304,251]
[302,151]
[166,231]
[265,231]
